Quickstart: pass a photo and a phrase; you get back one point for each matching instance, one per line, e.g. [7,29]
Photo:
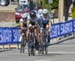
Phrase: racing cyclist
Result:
[24,23]
[34,22]
[46,23]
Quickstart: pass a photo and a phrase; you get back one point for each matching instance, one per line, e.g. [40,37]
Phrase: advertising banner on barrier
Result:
[11,35]
[74,25]
[55,31]
[61,29]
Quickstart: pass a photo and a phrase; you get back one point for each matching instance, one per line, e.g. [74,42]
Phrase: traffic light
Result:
[4,2]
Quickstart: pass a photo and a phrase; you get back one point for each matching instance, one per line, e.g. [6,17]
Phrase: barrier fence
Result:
[11,35]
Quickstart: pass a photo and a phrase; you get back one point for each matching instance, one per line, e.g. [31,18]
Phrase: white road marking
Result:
[58,52]
[63,46]
[61,52]
[44,60]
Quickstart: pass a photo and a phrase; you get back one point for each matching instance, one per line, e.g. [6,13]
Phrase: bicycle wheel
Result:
[23,44]
[46,43]
[32,51]
[31,45]
[46,50]
[41,48]
[29,51]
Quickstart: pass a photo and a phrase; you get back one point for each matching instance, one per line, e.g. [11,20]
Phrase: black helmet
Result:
[32,14]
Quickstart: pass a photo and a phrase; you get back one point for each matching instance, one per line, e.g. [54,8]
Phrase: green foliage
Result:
[54,5]
[48,6]
[73,12]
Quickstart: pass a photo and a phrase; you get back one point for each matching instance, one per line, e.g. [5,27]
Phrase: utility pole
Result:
[60,10]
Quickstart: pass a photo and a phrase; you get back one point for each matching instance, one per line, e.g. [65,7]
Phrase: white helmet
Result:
[24,15]
[40,11]
[45,11]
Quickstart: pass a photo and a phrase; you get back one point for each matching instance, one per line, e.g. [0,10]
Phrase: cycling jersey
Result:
[34,21]
[45,21]
[24,24]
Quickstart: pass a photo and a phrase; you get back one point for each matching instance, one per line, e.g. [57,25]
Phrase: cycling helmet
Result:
[24,15]
[45,11]
[32,14]
[40,11]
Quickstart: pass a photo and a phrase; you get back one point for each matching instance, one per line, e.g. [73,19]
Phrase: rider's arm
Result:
[50,22]
[28,22]
[49,25]
[21,24]
[22,28]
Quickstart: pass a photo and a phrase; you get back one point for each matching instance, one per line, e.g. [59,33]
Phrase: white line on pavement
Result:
[63,46]
[61,52]
[58,52]
[44,60]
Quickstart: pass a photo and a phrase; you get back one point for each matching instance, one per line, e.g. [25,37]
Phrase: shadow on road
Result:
[4,50]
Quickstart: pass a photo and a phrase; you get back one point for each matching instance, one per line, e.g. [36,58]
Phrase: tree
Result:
[54,5]
[67,4]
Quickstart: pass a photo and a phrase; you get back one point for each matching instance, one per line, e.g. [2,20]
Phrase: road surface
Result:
[61,52]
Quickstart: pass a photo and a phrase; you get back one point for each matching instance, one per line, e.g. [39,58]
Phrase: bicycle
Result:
[43,45]
[23,42]
[31,43]
[45,32]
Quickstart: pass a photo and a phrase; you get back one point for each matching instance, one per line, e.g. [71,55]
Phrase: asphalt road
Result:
[62,52]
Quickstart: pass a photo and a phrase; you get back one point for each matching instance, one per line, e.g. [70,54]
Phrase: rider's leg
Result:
[47,27]
[28,38]
[35,33]
[27,35]
[36,41]
[41,36]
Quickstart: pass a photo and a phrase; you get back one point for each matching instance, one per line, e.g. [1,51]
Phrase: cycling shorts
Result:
[45,23]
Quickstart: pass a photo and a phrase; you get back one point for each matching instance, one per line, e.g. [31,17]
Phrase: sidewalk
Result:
[7,16]
[10,8]
[6,24]
[56,20]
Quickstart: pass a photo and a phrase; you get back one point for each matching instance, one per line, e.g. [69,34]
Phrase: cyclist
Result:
[34,23]
[24,22]
[46,23]
[40,13]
